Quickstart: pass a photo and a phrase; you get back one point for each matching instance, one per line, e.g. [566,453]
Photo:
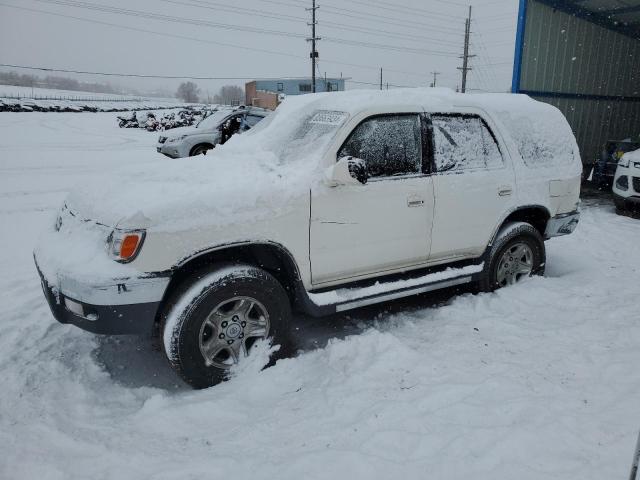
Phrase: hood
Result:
[177,132]
[220,188]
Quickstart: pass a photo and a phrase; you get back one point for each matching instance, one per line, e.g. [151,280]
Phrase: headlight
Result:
[624,162]
[177,139]
[124,245]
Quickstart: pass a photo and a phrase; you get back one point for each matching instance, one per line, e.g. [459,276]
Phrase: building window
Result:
[280,87]
[304,87]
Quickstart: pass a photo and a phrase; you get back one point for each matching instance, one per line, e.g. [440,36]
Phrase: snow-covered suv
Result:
[212,130]
[626,183]
[336,201]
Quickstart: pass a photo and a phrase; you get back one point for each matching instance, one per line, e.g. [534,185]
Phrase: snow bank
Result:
[535,381]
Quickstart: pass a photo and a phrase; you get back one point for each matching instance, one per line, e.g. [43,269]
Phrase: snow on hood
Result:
[212,186]
[253,176]
[178,131]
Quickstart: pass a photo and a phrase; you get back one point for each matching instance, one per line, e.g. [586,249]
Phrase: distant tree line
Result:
[56,83]
[189,92]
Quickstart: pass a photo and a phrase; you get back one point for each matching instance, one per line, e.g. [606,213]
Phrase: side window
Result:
[464,142]
[252,119]
[389,144]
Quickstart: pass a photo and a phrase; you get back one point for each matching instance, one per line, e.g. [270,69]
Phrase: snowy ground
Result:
[540,380]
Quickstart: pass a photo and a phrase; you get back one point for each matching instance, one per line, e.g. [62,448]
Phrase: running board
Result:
[343,299]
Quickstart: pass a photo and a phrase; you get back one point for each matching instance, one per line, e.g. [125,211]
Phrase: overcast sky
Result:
[409,39]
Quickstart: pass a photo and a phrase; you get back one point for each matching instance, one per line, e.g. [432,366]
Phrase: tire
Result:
[200,149]
[518,246]
[212,320]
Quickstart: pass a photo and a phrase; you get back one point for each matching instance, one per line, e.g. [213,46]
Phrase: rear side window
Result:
[391,145]
[464,142]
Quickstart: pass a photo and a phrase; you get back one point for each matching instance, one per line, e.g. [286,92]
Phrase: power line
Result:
[173,19]
[371,17]
[200,40]
[168,18]
[164,34]
[188,77]
[209,5]
[136,75]
[398,8]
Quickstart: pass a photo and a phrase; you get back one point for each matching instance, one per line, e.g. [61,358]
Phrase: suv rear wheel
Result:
[212,321]
[517,252]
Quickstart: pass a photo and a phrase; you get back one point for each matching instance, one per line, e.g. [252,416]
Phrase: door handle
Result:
[505,191]
[415,202]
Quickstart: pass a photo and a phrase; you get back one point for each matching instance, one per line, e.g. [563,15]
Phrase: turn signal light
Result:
[125,245]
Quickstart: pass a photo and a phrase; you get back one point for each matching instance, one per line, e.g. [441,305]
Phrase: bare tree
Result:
[230,95]
[188,91]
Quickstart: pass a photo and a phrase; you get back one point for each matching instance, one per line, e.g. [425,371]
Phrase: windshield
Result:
[313,134]
[292,135]
[213,120]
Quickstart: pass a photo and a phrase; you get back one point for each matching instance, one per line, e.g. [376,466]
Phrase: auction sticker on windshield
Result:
[328,117]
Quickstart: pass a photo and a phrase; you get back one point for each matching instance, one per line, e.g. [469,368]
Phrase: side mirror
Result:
[348,171]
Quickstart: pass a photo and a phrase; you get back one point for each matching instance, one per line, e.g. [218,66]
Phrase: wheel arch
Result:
[536,215]
[270,256]
[199,144]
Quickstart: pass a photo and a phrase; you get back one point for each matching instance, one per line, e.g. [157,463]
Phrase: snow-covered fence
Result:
[74,98]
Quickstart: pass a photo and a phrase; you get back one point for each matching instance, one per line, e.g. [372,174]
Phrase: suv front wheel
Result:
[213,320]
[516,253]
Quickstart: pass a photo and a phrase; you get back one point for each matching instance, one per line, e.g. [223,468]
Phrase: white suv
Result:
[337,201]
[212,130]
[626,182]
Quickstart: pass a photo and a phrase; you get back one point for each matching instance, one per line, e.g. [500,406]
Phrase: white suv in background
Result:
[212,130]
[626,182]
[339,200]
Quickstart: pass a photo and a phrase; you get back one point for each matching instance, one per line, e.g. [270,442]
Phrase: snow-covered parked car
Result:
[215,129]
[626,183]
[336,201]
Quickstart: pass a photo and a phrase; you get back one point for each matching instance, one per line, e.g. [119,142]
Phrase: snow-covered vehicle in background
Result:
[337,201]
[604,169]
[214,129]
[626,184]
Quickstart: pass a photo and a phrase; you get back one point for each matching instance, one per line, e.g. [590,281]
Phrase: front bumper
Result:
[631,202]
[169,150]
[562,224]
[123,306]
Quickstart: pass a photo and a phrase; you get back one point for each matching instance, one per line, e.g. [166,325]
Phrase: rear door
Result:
[385,225]
[474,184]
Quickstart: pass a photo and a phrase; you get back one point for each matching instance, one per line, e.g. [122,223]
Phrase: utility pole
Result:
[313,40]
[465,57]
[380,78]
[435,78]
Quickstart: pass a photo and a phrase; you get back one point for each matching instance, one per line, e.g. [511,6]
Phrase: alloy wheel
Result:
[230,330]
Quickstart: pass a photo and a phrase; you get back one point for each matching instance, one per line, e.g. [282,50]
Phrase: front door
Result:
[384,225]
